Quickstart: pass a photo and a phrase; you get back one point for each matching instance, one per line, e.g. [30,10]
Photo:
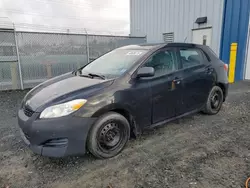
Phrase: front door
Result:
[166,85]
[197,78]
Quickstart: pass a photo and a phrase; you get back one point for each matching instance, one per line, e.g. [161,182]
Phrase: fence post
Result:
[13,71]
[18,58]
[87,44]
[49,70]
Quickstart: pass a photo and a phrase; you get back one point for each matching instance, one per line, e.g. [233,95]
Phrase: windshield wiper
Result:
[97,75]
[92,75]
[85,75]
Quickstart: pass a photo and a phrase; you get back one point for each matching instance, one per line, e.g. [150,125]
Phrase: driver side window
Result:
[163,62]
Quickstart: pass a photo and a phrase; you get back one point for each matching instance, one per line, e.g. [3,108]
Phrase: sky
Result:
[96,16]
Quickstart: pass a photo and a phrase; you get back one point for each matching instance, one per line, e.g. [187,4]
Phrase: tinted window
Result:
[191,57]
[114,63]
[163,62]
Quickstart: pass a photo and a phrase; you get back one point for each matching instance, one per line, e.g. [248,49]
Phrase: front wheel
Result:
[109,135]
[214,101]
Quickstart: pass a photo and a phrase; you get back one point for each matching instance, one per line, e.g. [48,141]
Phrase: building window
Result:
[168,37]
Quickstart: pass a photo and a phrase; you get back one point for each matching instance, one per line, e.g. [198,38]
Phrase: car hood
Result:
[61,88]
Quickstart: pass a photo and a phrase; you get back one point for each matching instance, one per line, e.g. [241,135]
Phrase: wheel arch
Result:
[120,109]
[223,88]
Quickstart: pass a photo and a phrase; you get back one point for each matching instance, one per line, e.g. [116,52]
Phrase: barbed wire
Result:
[54,17]
[71,30]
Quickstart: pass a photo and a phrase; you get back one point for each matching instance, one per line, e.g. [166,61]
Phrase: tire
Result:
[108,136]
[212,107]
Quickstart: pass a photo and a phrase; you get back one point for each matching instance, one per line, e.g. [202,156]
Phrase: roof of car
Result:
[183,44]
[148,46]
[140,46]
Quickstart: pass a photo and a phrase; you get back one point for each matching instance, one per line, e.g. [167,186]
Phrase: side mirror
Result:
[145,72]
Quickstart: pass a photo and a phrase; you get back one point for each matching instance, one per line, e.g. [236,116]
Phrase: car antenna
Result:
[185,39]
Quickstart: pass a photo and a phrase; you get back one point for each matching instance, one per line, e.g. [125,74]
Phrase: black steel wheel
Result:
[108,135]
[214,101]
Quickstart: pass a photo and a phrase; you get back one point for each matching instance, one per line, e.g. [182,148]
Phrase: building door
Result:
[202,36]
[247,75]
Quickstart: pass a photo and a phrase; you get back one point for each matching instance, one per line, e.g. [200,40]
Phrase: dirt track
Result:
[197,151]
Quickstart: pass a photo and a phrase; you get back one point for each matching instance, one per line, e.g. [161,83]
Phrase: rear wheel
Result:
[108,135]
[214,101]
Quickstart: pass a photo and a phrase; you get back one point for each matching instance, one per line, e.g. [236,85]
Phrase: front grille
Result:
[59,142]
[28,112]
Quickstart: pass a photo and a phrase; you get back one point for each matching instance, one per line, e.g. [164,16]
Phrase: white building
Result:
[219,24]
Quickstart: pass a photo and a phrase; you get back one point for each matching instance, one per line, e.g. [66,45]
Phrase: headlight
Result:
[63,109]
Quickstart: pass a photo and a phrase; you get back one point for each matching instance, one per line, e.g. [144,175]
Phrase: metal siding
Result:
[186,12]
[179,25]
[217,7]
[178,16]
[197,11]
[191,16]
[169,27]
[164,18]
[132,17]
[243,30]
[235,28]
[247,58]
[159,16]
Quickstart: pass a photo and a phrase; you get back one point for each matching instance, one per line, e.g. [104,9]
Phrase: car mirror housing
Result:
[145,72]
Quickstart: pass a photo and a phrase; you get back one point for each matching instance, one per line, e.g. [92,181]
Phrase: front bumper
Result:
[57,137]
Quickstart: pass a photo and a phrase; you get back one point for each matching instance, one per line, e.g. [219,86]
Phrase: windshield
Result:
[114,63]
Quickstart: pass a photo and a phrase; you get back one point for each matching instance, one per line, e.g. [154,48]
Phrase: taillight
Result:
[225,67]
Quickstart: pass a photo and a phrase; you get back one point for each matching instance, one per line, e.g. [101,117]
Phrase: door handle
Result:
[177,81]
[209,70]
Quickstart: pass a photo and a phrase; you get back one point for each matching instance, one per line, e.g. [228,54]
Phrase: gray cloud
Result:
[97,16]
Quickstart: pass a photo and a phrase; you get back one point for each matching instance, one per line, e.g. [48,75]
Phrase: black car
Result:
[98,107]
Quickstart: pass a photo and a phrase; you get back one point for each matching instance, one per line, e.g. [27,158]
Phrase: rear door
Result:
[197,78]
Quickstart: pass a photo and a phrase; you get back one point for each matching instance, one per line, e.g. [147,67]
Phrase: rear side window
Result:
[191,57]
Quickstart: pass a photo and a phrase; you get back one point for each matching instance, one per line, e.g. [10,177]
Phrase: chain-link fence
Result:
[100,44]
[45,55]
[40,56]
[9,72]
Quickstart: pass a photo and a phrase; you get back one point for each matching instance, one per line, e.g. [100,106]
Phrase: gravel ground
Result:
[193,152]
